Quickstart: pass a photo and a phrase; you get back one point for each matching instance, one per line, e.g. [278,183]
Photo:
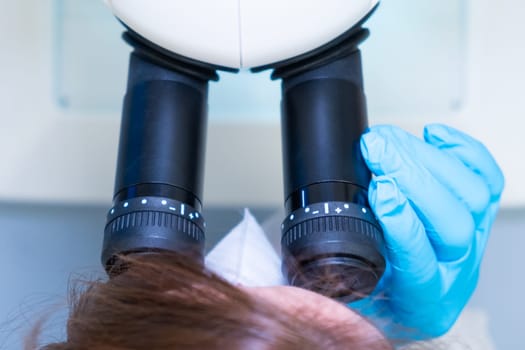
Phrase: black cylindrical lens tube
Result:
[159,182]
[332,243]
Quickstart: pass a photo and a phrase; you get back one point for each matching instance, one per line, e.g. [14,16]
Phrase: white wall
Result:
[49,155]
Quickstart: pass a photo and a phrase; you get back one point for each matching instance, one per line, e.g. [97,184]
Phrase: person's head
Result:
[167,301]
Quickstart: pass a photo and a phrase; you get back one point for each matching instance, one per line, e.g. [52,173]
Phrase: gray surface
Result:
[501,287]
[42,246]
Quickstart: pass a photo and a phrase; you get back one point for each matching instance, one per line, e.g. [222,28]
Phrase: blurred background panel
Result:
[64,69]
[62,75]
[414,64]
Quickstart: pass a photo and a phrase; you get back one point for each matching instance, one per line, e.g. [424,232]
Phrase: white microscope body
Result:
[241,33]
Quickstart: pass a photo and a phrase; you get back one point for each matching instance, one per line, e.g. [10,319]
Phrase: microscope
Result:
[331,241]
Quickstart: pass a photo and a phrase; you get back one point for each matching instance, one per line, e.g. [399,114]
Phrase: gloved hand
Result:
[436,201]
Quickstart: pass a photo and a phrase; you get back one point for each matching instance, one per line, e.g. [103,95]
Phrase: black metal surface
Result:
[160,169]
[331,242]
[167,57]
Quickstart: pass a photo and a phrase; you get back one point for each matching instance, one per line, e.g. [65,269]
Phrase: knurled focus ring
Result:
[331,217]
[152,223]
[156,211]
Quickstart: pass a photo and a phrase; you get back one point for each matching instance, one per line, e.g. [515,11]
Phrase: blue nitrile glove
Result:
[436,201]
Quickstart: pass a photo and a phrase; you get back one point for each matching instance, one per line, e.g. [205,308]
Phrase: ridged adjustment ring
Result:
[155,211]
[330,217]
[145,224]
[151,211]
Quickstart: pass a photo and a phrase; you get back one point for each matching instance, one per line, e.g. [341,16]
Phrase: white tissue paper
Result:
[246,257]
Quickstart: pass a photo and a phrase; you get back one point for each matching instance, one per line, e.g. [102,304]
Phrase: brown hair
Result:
[167,301]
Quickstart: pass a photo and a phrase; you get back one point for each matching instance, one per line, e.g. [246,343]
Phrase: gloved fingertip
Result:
[372,146]
[435,133]
[385,197]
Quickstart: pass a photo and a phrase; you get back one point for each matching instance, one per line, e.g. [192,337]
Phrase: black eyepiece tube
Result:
[159,181]
[332,243]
